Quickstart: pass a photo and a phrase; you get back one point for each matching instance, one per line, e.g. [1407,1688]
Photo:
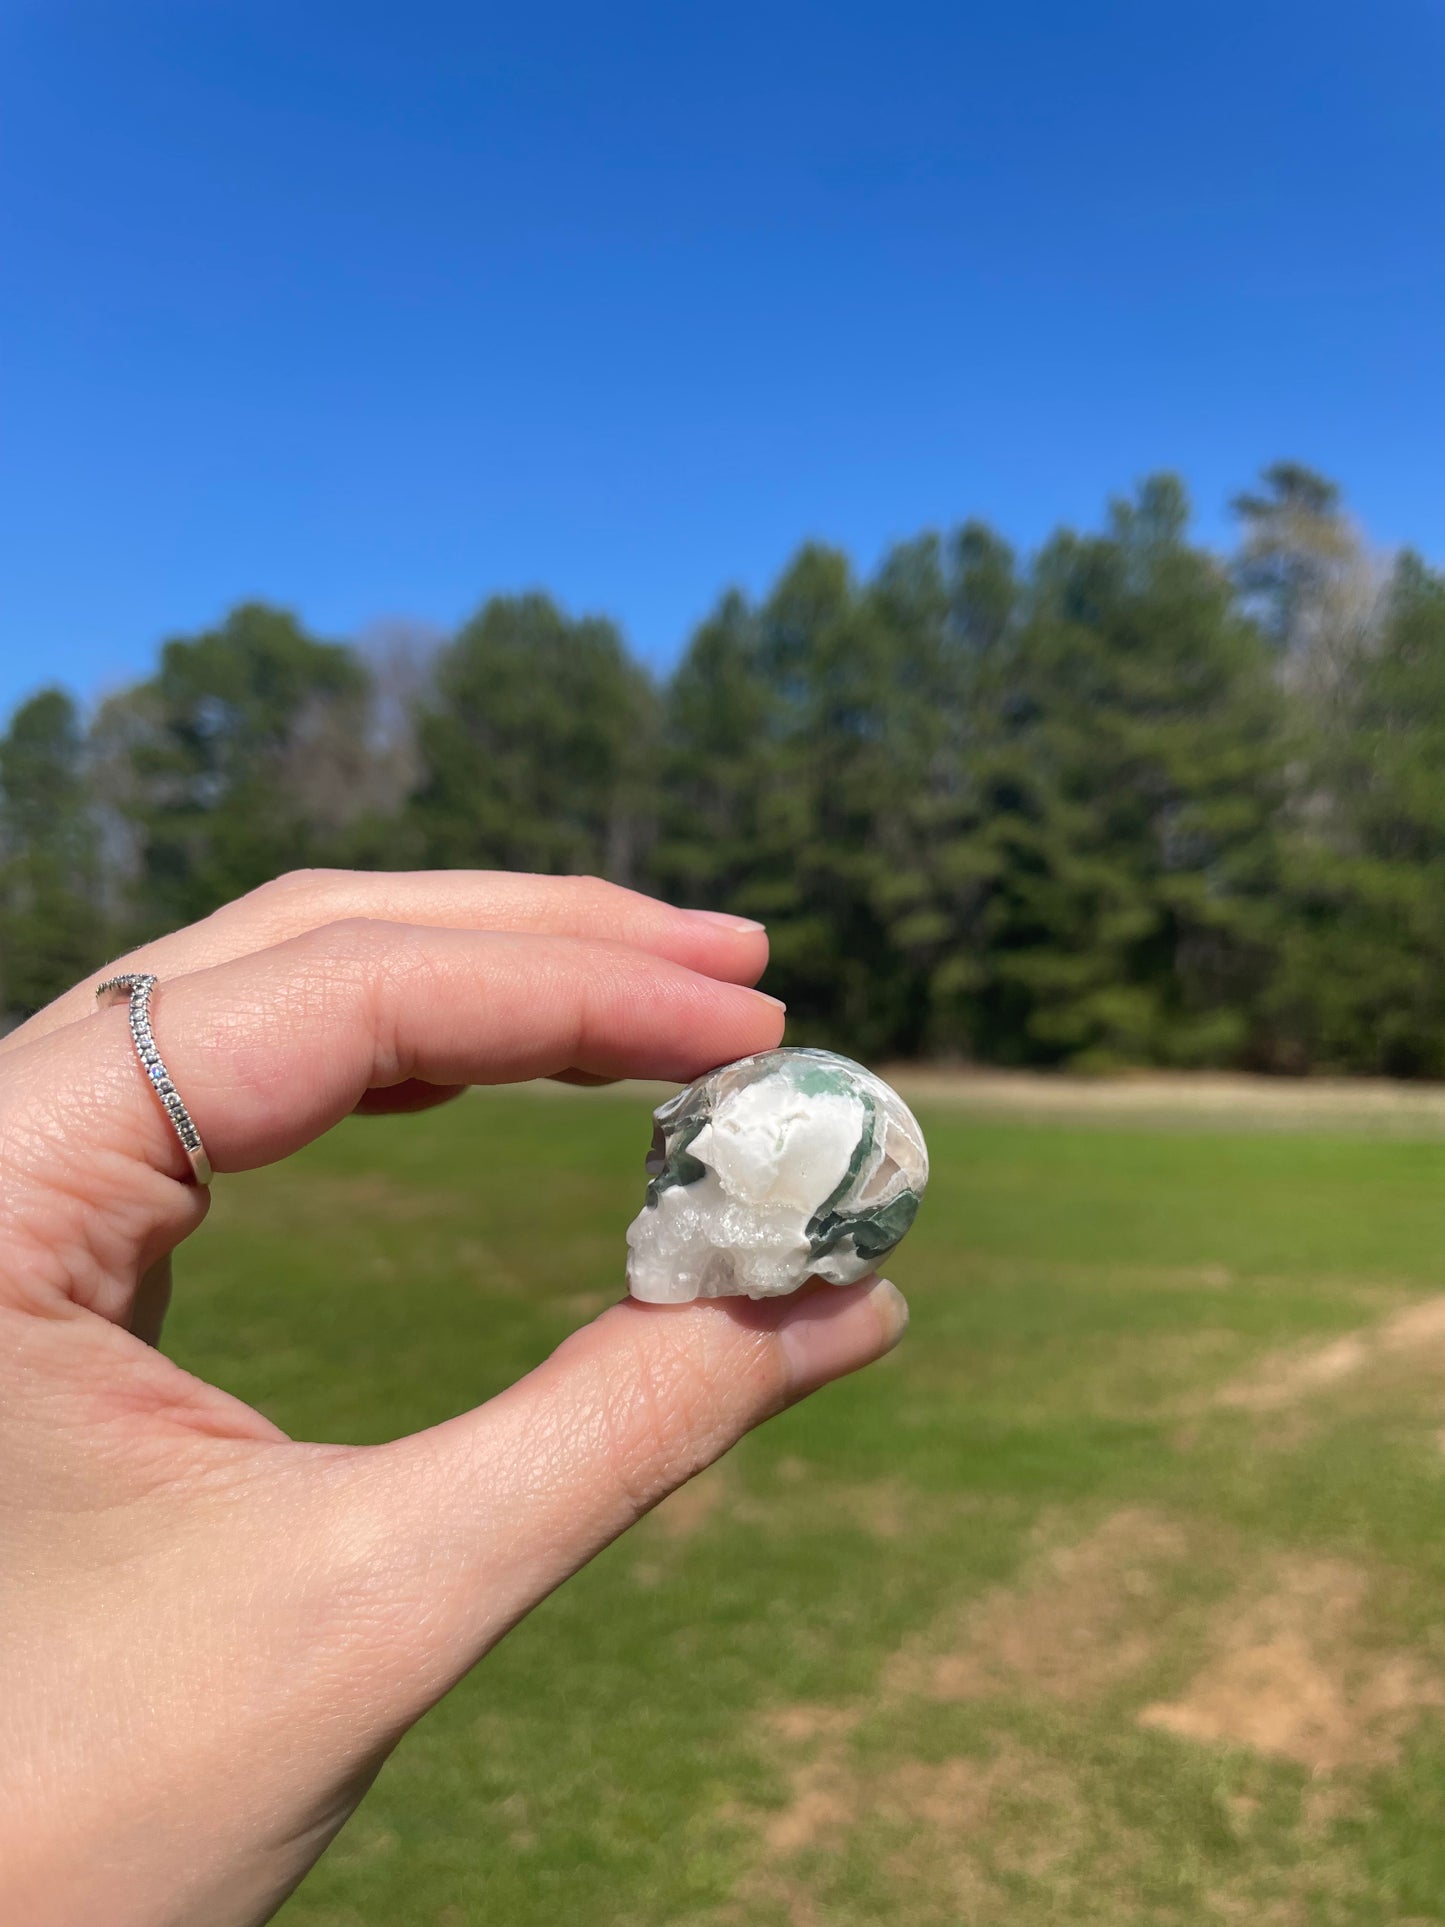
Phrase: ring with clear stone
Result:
[139,986]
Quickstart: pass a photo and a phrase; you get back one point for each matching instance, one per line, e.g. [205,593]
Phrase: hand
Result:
[211,1636]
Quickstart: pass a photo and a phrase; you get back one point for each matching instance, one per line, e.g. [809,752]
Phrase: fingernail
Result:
[837,1330]
[724,921]
[770,1000]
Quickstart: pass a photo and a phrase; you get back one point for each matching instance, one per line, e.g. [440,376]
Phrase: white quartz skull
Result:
[790,1165]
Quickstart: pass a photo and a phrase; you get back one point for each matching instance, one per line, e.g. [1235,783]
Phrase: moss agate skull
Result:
[790,1165]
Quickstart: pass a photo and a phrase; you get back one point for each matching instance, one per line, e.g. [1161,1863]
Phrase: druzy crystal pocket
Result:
[782,1167]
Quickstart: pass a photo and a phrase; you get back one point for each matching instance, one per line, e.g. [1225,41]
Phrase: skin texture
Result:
[212,1635]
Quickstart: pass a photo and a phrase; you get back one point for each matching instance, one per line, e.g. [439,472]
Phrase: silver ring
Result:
[140,986]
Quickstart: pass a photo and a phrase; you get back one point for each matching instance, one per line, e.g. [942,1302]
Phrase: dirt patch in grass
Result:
[685,1512]
[1082,1620]
[1014,1828]
[1290,1674]
[1011,1836]
[956,1833]
[799,1724]
[883,1508]
[1413,1336]
[1025,1809]
[1146,1097]
[1289,1678]
[824,1794]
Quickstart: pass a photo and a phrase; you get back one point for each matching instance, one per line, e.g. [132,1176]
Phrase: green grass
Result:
[890,1667]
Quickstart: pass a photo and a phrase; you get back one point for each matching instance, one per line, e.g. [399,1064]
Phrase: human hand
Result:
[211,1635]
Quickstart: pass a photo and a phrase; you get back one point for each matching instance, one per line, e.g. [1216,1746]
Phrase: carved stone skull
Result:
[786,1166]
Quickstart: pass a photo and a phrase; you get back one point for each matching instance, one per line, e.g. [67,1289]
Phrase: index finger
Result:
[733,948]
[272,1049]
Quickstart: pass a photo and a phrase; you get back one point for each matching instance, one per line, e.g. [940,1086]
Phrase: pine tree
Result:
[240,759]
[52,921]
[719,735]
[536,747]
[1362,986]
[1131,782]
[949,611]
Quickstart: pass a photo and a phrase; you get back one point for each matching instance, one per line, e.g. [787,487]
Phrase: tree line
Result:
[1126,801]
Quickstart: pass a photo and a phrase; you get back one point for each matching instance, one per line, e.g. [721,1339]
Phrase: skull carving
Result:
[790,1165]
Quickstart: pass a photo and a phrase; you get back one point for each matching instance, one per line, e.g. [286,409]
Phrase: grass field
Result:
[1114,1596]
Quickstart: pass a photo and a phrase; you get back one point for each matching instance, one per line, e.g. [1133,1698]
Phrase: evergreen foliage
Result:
[51,926]
[1126,803]
[234,762]
[536,745]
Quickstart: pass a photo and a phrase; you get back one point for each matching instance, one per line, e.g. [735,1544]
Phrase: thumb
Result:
[470,1524]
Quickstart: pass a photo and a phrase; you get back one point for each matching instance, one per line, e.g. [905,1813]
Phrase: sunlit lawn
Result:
[1112,1597]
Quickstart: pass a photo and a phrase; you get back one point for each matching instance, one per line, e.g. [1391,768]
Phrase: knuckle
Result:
[362,939]
[594,889]
[369,971]
[290,902]
[362,953]
[292,884]
[344,965]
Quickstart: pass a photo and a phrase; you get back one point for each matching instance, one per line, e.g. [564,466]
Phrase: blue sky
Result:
[373,309]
